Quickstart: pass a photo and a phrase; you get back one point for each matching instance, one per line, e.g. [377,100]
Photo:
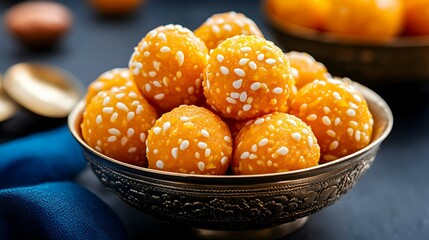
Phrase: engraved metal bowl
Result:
[370,61]
[259,205]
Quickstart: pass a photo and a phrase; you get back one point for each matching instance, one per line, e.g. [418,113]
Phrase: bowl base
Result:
[264,233]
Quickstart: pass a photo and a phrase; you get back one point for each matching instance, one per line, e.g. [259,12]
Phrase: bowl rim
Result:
[75,118]
[401,41]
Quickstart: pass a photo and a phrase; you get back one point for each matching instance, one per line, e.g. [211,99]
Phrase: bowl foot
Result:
[264,233]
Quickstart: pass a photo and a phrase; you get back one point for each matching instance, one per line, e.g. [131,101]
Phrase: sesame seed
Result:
[282,150]
[326,120]
[174,152]
[111,138]
[205,133]
[220,58]
[122,106]
[260,57]
[271,61]
[139,109]
[357,135]
[227,27]
[239,72]
[353,123]
[353,105]
[252,65]
[224,160]
[162,36]
[184,119]
[351,112]
[98,119]
[263,142]
[215,28]
[235,95]
[296,136]
[311,117]
[98,148]
[231,100]
[277,90]
[326,110]
[106,100]
[202,145]
[165,49]
[237,83]
[166,126]
[243,61]
[120,95]
[147,87]
[310,141]
[259,121]
[197,155]
[107,110]
[245,49]
[157,130]
[130,116]
[124,141]
[132,150]
[247,107]
[305,131]
[159,164]
[159,96]
[152,74]
[142,137]
[336,95]
[114,131]
[227,139]
[157,84]
[357,98]
[130,132]
[333,145]
[293,122]
[113,117]
[244,155]
[224,70]
[184,145]
[337,121]
[201,166]
[207,152]
[331,133]
[147,54]
[329,157]
[180,57]
[350,131]
[243,96]
[253,156]
[255,86]
[132,94]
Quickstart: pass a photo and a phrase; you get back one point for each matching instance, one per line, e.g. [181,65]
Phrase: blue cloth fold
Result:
[60,210]
[39,197]
[47,156]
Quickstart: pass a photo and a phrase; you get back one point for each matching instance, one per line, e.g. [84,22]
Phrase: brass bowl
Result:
[370,61]
[249,206]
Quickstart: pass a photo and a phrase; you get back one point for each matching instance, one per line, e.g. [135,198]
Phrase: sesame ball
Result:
[116,77]
[167,66]
[115,123]
[305,68]
[221,26]
[246,77]
[338,114]
[190,139]
[276,142]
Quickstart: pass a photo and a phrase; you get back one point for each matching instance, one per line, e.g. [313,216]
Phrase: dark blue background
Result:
[389,202]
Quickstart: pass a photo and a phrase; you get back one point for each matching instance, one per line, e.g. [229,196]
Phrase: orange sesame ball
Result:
[116,122]
[221,26]
[276,142]
[338,114]
[116,77]
[246,77]
[306,68]
[189,139]
[167,66]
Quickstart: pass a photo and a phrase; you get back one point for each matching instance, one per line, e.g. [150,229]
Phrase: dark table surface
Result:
[389,202]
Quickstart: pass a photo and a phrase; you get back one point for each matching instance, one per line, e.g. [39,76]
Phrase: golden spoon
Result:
[43,89]
[8,108]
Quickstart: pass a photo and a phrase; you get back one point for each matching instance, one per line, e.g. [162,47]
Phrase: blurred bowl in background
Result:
[371,61]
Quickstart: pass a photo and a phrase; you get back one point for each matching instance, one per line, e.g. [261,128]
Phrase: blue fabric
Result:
[40,200]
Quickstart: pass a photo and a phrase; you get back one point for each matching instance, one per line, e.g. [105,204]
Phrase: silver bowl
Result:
[250,206]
